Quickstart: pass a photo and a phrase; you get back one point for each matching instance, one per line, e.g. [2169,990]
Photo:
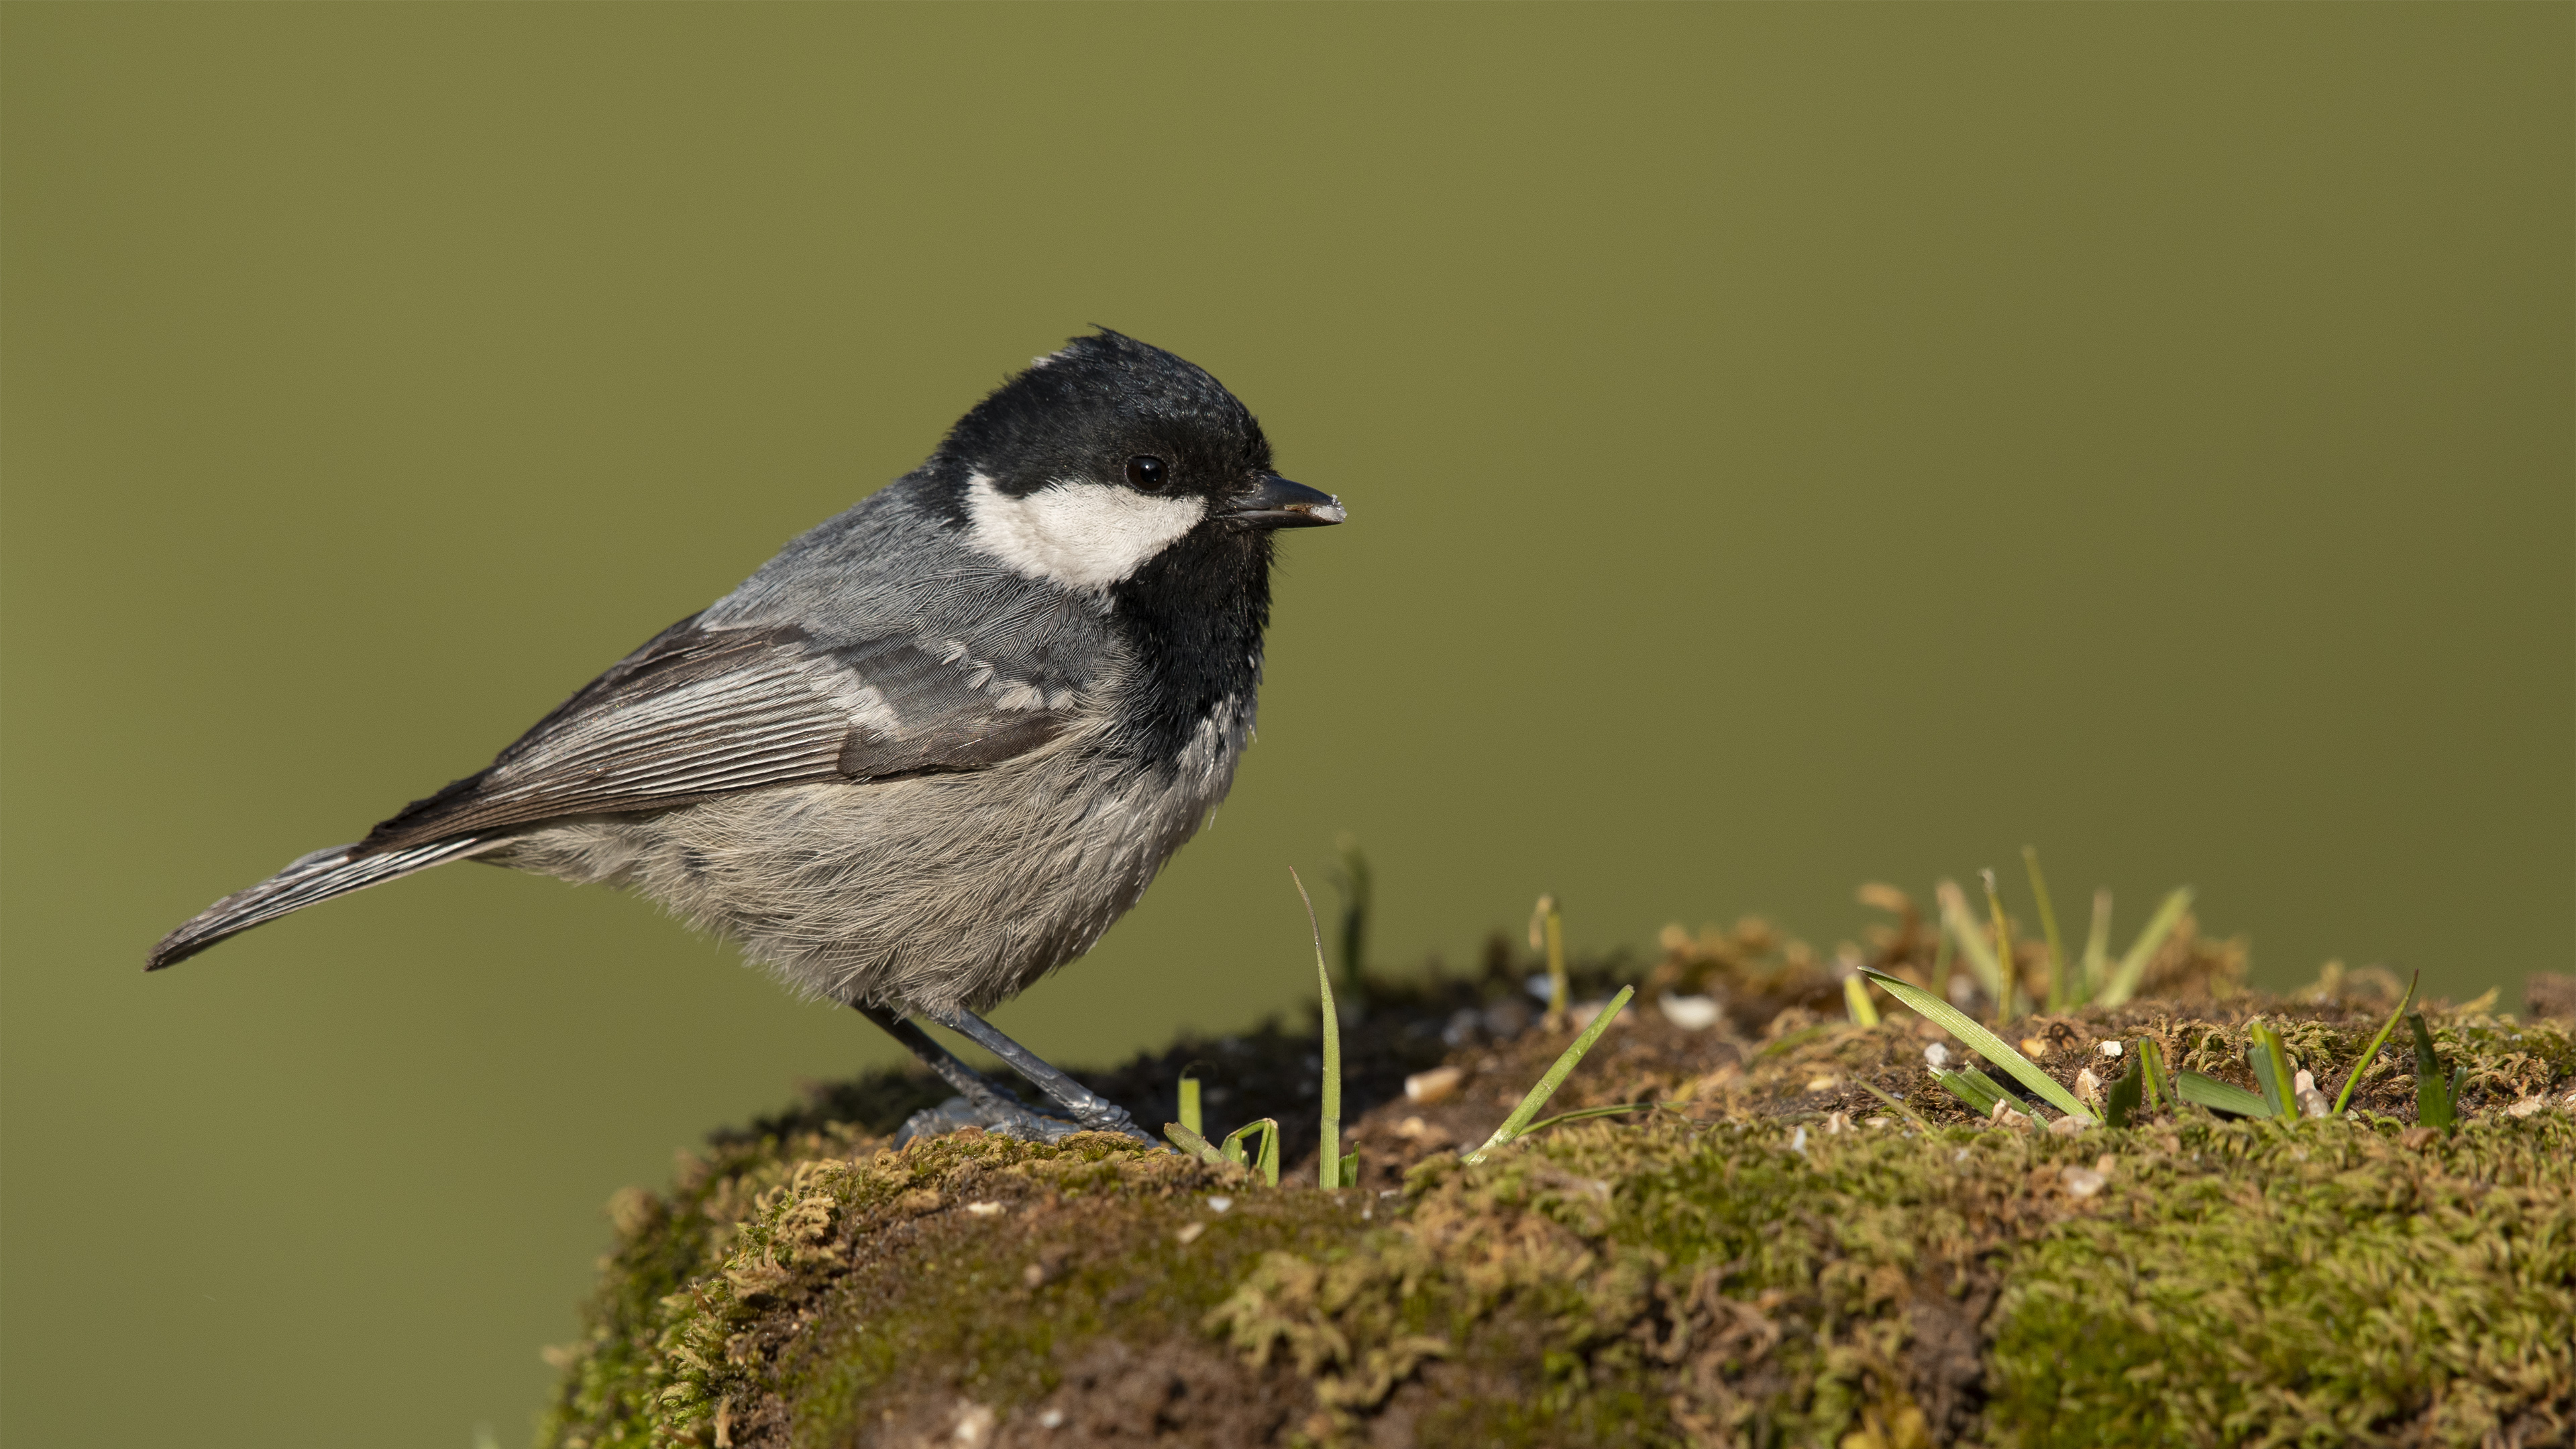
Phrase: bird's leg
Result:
[1088,1107]
[986,1103]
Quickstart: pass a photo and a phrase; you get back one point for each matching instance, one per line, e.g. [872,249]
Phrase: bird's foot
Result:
[1096,1113]
[1002,1121]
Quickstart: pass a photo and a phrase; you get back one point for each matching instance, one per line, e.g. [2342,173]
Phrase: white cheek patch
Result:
[1082,535]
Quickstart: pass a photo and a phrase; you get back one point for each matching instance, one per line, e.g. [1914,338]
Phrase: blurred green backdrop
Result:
[1787,447]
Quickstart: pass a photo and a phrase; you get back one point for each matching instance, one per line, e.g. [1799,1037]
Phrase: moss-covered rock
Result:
[1773,1260]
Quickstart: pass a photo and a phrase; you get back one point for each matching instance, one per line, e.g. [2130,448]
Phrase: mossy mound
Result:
[1774,1261]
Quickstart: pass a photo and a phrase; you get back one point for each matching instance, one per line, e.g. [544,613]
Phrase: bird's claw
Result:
[1017,1123]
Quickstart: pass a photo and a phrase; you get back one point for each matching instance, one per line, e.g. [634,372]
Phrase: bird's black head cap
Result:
[1109,409]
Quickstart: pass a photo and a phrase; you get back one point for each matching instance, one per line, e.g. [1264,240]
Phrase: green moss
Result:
[2322,1285]
[1777,1276]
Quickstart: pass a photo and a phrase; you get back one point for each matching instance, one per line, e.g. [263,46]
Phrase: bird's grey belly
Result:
[923,893]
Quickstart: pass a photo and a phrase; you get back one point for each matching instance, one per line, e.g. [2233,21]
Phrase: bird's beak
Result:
[1274,502]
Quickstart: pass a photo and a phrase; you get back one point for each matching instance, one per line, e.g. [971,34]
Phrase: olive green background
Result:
[1786,447]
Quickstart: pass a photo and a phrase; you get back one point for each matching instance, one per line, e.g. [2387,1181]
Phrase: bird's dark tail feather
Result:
[311,878]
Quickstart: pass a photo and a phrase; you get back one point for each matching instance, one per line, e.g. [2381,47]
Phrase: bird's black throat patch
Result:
[1194,615]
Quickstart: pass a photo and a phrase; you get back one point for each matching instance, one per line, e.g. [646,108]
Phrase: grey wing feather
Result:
[701,712]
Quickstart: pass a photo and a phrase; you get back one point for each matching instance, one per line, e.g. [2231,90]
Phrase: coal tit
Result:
[930,751]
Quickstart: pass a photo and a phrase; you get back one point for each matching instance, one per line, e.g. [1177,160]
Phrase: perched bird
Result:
[929,752]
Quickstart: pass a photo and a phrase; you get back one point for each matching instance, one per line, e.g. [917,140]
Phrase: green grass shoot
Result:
[1187,1139]
[2271,1064]
[2437,1101]
[1983,1042]
[2120,1105]
[2060,994]
[1547,932]
[1864,1012]
[1960,927]
[1232,1149]
[2219,1096]
[1587,1113]
[1518,1123]
[1979,1091]
[2007,990]
[1894,1105]
[2097,944]
[1329,1170]
[2158,1083]
[2133,966]
[1190,1115]
[2371,1052]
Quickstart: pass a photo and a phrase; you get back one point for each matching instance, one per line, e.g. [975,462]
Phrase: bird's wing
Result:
[700,712]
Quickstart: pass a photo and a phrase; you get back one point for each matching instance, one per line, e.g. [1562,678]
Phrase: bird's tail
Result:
[307,879]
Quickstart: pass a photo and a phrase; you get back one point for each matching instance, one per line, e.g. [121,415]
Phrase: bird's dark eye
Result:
[1148,472]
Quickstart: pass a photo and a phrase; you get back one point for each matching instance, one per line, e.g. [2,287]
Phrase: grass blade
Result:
[2271,1068]
[1882,1094]
[1972,1087]
[1985,1043]
[1329,1170]
[1268,1163]
[2008,993]
[1950,1083]
[2159,1087]
[1960,927]
[2097,945]
[1547,931]
[1190,1116]
[2371,1052]
[2058,994]
[2133,966]
[2120,1106]
[2434,1105]
[1864,1012]
[1188,1140]
[1561,1118]
[1518,1123]
[2219,1096]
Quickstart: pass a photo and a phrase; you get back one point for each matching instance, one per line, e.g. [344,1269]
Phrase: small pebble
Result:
[1936,1056]
[2082,1181]
[1820,1084]
[1436,1085]
[1033,1275]
[2068,1126]
[983,1209]
[2525,1107]
[1219,1204]
[2311,1102]
[2033,1048]
[1051,1419]
[1690,1013]
[2109,1049]
[1189,1233]
[974,1424]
